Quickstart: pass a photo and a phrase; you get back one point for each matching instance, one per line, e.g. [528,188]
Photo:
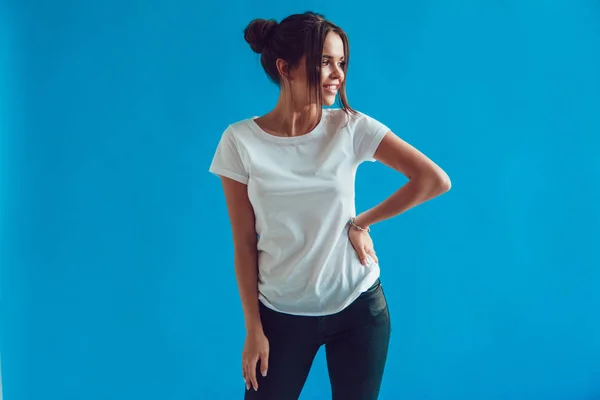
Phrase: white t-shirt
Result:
[302,192]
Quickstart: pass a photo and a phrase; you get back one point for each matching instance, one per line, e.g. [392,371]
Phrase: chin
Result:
[328,100]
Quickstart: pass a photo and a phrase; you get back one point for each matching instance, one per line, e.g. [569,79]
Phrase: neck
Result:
[293,120]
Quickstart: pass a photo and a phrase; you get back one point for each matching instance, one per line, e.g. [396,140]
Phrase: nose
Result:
[337,72]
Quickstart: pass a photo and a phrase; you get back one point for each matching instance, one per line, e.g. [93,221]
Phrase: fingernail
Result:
[264,373]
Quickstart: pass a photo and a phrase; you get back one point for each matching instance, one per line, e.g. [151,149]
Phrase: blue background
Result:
[117,271]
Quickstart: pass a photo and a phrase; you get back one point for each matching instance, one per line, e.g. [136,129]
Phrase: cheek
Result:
[326,72]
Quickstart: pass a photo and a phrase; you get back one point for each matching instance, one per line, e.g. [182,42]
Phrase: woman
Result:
[307,271]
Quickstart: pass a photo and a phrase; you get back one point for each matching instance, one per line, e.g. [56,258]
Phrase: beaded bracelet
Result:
[360,228]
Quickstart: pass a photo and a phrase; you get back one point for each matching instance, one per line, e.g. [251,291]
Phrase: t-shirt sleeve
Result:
[368,133]
[227,160]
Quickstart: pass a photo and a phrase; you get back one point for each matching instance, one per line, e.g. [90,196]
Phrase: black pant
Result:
[356,344]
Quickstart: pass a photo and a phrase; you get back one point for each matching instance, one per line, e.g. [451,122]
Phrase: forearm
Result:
[416,191]
[246,271]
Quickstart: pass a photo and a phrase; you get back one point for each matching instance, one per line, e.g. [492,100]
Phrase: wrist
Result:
[359,224]
[254,328]
[363,220]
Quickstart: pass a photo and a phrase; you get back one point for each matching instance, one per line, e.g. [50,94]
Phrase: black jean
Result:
[356,344]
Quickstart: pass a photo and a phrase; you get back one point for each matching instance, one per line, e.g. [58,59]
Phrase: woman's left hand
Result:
[363,244]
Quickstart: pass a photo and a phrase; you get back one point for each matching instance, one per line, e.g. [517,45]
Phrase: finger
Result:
[374,256]
[252,373]
[264,363]
[245,374]
[362,255]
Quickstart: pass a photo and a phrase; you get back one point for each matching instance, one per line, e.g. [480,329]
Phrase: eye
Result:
[325,62]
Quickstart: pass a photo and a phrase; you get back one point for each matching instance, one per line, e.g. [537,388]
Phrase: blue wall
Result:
[117,274]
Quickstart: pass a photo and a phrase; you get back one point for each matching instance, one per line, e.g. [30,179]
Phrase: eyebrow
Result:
[330,57]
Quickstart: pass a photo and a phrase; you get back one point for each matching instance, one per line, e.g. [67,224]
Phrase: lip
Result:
[334,90]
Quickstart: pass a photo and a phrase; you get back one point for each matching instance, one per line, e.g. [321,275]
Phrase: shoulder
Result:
[237,131]
[239,127]
[343,120]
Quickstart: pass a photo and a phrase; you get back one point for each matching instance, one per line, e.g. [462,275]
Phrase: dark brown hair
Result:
[296,36]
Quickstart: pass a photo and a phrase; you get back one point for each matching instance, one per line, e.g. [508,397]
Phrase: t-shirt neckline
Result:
[289,139]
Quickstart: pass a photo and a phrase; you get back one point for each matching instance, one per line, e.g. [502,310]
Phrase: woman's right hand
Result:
[256,347]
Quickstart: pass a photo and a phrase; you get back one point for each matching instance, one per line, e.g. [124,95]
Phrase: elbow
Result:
[437,183]
[443,182]
[245,244]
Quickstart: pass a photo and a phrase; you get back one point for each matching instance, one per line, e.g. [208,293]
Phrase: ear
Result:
[283,69]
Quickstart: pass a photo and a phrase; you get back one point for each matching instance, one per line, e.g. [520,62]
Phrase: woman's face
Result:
[332,72]
[332,67]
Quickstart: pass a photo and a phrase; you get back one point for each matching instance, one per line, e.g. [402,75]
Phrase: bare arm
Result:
[426,180]
[241,216]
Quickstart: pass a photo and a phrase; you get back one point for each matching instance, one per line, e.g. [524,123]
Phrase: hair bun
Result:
[259,32]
